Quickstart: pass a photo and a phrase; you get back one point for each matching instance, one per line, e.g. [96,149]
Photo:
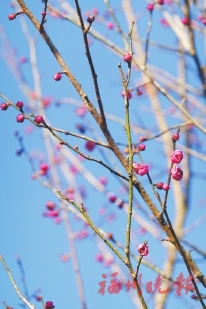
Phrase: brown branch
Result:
[94,75]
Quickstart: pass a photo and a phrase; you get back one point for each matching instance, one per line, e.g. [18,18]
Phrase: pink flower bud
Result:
[52,213]
[142,138]
[160,2]
[39,119]
[50,205]
[175,137]
[159,185]
[44,168]
[139,92]
[165,187]
[110,26]
[103,180]
[176,173]
[57,76]
[135,167]
[49,305]
[141,147]
[12,16]
[89,146]
[143,249]
[90,19]
[4,106]
[99,257]
[95,11]
[20,118]
[204,21]
[128,58]
[19,104]
[193,296]
[150,7]
[140,169]
[185,21]
[143,169]
[128,94]
[176,156]
[111,197]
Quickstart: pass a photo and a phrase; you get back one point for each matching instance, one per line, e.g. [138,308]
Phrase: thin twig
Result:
[15,285]
[94,75]
[44,15]
[149,28]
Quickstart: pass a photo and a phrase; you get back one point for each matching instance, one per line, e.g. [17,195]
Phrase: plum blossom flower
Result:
[143,249]
[140,169]
[176,173]
[176,156]
[49,305]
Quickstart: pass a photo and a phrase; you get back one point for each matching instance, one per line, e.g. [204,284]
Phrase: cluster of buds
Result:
[140,169]
[176,157]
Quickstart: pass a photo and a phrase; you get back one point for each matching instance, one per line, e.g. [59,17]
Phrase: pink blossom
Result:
[110,25]
[52,213]
[127,57]
[99,257]
[49,305]
[57,220]
[50,205]
[141,147]
[128,94]
[141,231]
[22,60]
[142,138]
[81,111]
[164,23]
[140,169]
[46,101]
[65,257]
[143,249]
[185,21]
[111,197]
[82,234]
[165,187]
[44,168]
[176,156]
[150,7]
[176,173]
[135,167]
[103,180]
[89,145]
[33,95]
[175,137]
[159,185]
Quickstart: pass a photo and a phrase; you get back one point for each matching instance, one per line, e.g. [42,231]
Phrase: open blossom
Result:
[143,249]
[176,156]
[140,169]
[176,173]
